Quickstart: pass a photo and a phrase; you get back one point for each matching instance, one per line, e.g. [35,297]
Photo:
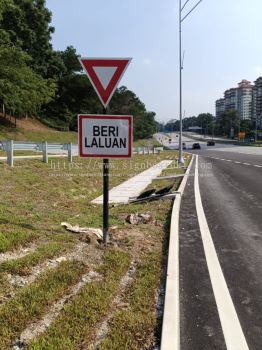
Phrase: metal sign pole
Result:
[105,197]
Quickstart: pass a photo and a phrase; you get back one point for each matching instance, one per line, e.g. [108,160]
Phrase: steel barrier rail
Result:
[46,148]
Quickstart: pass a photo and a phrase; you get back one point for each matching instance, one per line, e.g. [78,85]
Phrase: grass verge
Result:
[24,265]
[32,301]
[12,240]
[75,327]
[132,329]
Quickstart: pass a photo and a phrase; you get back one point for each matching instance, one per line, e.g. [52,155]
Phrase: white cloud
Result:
[146,61]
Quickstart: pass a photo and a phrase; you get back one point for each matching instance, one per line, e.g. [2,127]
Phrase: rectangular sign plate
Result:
[105,136]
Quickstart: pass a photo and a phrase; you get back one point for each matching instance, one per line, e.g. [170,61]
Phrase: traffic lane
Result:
[233,205]
[251,159]
[188,145]
[200,325]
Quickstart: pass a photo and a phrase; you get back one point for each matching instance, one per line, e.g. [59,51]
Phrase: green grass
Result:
[36,198]
[132,329]
[47,135]
[32,301]
[5,287]
[147,143]
[75,327]
[24,265]
[11,240]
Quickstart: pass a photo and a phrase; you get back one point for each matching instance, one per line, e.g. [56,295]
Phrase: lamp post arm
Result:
[191,11]
[184,5]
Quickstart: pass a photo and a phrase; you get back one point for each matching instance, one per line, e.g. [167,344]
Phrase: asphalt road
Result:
[230,182]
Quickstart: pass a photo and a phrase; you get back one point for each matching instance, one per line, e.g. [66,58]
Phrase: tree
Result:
[21,90]
[75,94]
[126,102]
[31,72]
[229,120]
[28,22]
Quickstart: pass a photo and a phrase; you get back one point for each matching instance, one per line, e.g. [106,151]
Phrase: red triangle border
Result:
[88,64]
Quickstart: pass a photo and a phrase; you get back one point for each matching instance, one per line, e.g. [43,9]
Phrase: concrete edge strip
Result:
[232,330]
[170,339]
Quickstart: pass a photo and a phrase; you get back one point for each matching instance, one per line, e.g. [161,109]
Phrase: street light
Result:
[181,19]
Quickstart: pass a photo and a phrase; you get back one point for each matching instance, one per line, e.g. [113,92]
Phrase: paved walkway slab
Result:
[134,186]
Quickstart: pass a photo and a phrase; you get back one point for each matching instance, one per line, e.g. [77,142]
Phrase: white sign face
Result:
[105,136]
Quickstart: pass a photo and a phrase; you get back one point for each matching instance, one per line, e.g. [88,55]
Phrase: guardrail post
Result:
[70,152]
[10,153]
[45,152]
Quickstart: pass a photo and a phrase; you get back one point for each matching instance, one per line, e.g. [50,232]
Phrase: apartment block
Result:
[257,102]
[244,99]
[220,107]
[239,99]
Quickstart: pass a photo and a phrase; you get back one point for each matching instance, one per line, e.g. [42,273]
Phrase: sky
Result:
[221,40]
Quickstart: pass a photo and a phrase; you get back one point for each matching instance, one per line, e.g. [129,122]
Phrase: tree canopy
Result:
[37,80]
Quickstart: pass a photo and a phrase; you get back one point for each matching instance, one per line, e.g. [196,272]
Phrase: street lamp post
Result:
[181,19]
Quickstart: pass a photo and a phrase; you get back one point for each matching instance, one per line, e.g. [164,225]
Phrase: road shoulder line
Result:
[232,330]
[170,339]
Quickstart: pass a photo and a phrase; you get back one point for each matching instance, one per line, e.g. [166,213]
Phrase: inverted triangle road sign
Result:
[105,74]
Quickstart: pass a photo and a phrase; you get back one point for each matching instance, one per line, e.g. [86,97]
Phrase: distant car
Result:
[184,145]
[211,143]
[196,146]
[251,139]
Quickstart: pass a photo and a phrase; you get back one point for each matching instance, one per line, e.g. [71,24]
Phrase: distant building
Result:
[231,99]
[245,98]
[220,107]
[239,99]
[257,102]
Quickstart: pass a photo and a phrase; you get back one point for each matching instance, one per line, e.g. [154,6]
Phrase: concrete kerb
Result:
[170,339]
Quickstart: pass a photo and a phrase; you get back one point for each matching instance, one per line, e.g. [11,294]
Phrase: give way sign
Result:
[105,74]
[105,136]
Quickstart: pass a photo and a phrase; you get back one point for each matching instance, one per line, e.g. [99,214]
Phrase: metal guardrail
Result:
[46,148]
[147,150]
[53,148]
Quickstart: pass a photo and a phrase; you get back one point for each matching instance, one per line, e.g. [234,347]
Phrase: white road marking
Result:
[236,162]
[170,339]
[233,333]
